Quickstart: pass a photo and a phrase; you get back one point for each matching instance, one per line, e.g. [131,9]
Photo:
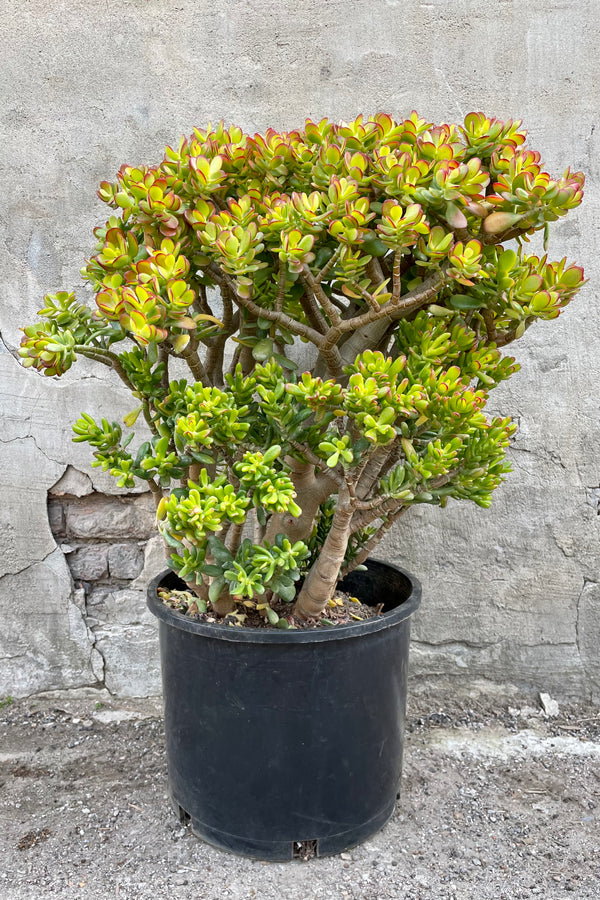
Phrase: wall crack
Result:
[96,657]
[31,565]
[11,351]
[31,437]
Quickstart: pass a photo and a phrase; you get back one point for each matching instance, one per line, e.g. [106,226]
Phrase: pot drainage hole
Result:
[305,850]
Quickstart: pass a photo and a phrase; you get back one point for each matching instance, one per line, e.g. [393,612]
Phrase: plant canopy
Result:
[375,252]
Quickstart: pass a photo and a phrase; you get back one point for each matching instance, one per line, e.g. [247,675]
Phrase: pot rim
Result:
[241,634]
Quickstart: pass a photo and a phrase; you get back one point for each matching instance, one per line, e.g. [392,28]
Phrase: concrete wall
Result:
[512,595]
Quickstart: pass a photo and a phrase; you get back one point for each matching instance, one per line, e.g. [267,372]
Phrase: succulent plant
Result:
[382,244]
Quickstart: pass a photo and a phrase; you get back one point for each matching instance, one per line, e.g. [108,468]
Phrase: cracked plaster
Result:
[503,598]
[44,630]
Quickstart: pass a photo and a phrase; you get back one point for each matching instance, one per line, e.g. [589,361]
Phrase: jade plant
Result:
[310,324]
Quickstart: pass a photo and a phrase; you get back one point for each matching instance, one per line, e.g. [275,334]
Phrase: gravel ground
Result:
[498,802]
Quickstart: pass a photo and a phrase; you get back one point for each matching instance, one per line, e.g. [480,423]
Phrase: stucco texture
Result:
[511,595]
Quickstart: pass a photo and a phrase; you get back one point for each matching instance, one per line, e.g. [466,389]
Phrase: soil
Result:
[343,609]
[499,802]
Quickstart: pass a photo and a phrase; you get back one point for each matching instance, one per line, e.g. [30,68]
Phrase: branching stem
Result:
[320,295]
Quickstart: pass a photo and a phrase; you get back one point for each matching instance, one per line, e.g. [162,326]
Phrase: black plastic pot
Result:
[288,743]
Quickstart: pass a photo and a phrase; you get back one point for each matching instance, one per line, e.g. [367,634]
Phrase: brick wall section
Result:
[102,537]
[109,542]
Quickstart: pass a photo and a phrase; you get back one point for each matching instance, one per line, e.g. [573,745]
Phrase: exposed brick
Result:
[56,518]
[99,604]
[101,516]
[125,560]
[88,563]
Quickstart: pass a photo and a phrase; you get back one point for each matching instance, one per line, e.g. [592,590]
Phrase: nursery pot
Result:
[284,744]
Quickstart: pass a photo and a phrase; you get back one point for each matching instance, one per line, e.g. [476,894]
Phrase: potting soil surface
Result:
[500,801]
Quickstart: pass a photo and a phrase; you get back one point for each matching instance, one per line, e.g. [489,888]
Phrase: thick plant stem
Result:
[224,604]
[234,538]
[200,590]
[320,582]
[371,471]
[368,336]
[195,364]
[156,491]
[311,490]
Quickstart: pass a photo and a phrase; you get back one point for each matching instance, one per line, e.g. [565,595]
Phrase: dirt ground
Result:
[499,801]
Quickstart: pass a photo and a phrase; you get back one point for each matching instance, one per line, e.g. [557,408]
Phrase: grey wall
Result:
[512,595]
